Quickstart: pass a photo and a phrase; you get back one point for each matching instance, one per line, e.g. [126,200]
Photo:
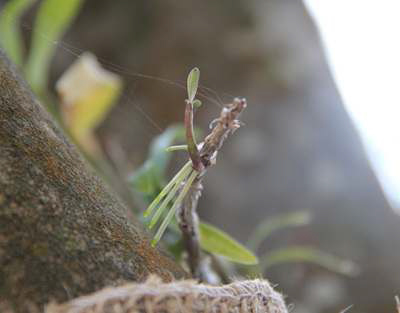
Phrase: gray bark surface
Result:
[62,233]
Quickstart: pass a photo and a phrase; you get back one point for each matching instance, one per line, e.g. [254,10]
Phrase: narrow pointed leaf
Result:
[216,241]
[296,254]
[53,18]
[275,223]
[10,35]
[193,83]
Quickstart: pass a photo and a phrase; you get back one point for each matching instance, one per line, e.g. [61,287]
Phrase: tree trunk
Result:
[62,233]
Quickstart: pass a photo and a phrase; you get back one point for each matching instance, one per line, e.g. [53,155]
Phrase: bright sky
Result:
[362,42]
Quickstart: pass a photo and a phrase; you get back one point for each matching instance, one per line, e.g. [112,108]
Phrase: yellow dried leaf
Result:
[87,93]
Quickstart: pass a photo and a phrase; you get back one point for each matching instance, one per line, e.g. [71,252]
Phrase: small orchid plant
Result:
[181,194]
[179,186]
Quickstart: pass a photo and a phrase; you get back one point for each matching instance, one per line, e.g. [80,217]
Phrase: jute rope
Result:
[154,296]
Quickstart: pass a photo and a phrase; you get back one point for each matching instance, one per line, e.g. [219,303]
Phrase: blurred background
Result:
[299,148]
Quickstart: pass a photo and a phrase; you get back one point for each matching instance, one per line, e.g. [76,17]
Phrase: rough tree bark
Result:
[62,233]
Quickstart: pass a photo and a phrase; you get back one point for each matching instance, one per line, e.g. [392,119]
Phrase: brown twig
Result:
[225,125]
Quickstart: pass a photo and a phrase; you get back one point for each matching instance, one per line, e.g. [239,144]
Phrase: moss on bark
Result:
[62,232]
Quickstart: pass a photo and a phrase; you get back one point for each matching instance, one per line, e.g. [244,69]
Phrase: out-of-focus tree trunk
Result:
[62,233]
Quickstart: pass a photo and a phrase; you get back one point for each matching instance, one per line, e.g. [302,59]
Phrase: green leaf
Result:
[296,254]
[193,83]
[216,241]
[272,224]
[53,18]
[10,35]
[144,179]
[158,146]
[148,178]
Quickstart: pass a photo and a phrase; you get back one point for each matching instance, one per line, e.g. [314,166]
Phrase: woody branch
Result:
[225,124]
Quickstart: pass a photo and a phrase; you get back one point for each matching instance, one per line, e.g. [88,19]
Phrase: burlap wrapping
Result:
[154,296]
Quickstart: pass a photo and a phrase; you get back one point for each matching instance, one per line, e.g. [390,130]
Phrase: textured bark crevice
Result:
[62,233]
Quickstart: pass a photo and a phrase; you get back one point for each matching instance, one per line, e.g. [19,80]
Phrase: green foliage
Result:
[161,143]
[53,18]
[296,254]
[272,224]
[10,35]
[150,177]
[193,83]
[214,240]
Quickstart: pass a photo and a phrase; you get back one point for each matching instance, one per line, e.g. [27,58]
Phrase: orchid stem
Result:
[190,139]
